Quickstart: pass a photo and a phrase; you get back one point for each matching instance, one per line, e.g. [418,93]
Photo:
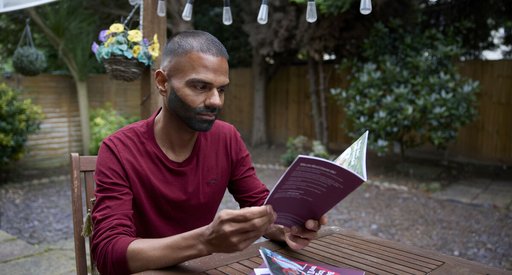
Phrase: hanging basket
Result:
[122,68]
[27,60]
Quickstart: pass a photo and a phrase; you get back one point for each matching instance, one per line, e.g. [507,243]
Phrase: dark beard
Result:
[188,114]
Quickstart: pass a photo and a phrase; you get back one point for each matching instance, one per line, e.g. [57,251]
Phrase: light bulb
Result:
[311,11]
[432,1]
[227,18]
[187,11]
[161,9]
[263,14]
[134,2]
[365,7]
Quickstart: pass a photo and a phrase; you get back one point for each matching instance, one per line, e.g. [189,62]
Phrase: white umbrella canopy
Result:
[12,5]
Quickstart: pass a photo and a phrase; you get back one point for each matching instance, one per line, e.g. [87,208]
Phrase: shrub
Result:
[300,145]
[407,89]
[105,121]
[18,119]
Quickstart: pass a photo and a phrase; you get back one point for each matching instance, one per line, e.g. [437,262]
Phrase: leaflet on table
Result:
[277,264]
[311,186]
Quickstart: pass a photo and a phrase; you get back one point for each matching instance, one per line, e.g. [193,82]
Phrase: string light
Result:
[161,10]
[227,18]
[187,11]
[311,12]
[366,7]
[263,13]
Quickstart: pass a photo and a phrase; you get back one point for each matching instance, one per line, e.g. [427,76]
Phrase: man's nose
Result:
[214,99]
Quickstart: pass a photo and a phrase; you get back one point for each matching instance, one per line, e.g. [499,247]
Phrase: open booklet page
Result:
[311,186]
[277,264]
[354,157]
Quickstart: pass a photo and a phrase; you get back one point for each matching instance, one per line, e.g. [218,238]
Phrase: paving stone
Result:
[462,193]
[15,249]
[52,262]
[67,244]
[498,194]
[5,237]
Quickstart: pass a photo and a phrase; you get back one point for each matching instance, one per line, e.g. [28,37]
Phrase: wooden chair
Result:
[82,172]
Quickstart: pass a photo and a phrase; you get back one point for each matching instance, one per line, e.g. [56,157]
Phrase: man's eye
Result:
[201,87]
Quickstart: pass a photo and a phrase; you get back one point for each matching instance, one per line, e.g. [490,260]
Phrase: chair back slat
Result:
[82,167]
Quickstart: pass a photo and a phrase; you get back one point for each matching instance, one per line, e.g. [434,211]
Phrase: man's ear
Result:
[161,81]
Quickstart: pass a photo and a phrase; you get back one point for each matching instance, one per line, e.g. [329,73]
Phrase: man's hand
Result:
[297,237]
[300,237]
[235,230]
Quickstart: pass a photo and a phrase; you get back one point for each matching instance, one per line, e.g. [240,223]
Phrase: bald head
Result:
[187,42]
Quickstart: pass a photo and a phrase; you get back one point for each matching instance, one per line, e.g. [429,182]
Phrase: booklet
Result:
[276,264]
[311,186]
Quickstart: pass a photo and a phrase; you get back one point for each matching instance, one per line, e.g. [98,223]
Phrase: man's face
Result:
[197,83]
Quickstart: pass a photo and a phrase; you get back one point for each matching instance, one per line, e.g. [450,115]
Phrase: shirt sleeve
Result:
[112,214]
[244,185]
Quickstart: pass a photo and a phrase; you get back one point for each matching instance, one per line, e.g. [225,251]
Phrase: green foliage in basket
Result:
[28,61]
[120,41]
[18,119]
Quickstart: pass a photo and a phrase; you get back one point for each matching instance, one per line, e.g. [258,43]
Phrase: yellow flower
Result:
[116,27]
[134,36]
[136,50]
[154,50]
[109,41]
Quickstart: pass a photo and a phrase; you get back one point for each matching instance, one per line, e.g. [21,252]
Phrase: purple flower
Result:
[103,35]
[94,47]
[145,42]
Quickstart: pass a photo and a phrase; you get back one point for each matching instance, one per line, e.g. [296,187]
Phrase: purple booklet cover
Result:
[276,264]
[311,186]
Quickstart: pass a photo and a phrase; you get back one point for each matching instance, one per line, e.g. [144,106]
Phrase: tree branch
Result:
[56,43]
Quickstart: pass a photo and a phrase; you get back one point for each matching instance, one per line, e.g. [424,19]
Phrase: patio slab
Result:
[498,194]
[51,262]
[15,249]
[464,191]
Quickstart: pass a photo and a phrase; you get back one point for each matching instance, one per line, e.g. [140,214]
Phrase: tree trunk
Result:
[83,106]
[259,134]
[314,98]
[80,80]
[323,104]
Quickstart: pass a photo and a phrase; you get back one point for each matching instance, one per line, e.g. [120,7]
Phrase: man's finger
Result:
[247,214]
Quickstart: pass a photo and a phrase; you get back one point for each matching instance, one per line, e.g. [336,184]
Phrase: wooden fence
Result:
[60,131]
[488,139]
[288,111]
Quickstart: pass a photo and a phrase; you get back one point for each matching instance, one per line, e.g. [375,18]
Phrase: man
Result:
[160,181]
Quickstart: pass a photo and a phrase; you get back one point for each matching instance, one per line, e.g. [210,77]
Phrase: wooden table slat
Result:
[382,247]
[308,256]
[258,260]
[417,262]
[229,270]
[377,261]
[407,262]
[215,272]
[241,268]
[248,263]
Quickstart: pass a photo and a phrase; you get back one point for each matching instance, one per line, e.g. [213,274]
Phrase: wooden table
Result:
[343,248]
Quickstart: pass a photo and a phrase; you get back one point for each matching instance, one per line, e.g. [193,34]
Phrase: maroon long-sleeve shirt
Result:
[141,193]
